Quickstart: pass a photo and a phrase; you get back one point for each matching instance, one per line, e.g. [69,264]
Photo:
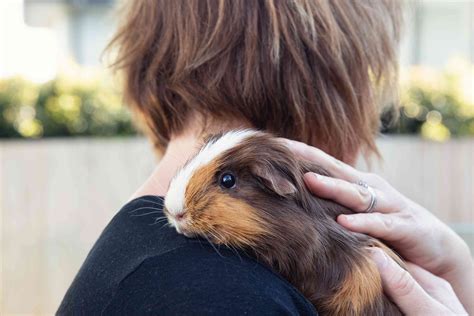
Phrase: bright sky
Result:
[26,51]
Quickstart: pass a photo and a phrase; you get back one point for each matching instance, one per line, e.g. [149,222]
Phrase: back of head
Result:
[310,70]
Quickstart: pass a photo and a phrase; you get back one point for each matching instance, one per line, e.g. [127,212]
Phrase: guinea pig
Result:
[244,189]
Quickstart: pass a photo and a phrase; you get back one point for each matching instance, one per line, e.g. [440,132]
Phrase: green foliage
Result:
[437,104]
[66,106]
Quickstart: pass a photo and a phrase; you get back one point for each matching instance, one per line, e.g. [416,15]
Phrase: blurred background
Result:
[70,156]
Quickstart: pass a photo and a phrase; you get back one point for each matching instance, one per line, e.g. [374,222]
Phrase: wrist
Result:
[461,278]
[459,260]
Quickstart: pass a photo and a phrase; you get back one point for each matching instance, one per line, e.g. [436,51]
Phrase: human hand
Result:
[416,291]
[414,232]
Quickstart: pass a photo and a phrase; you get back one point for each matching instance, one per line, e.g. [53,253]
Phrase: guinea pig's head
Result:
[234,191]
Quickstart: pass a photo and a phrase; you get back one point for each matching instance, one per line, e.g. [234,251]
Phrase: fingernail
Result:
[289,143]
[326,180]
[349,218]
[286,142]
[379,257]
[312,175]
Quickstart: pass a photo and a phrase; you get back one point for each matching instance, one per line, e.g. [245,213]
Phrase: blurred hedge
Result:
[435,104]
[84,104]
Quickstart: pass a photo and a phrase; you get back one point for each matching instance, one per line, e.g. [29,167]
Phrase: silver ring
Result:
[373,196]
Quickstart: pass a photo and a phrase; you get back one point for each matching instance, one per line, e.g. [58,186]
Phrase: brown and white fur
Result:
[270,213]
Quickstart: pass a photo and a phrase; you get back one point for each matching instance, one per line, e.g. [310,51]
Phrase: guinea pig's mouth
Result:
[185,232]
[180,223]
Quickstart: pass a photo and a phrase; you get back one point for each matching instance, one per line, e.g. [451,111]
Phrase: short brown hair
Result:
[310,70]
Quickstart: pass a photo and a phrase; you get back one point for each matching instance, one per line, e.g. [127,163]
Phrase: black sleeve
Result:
[200,281]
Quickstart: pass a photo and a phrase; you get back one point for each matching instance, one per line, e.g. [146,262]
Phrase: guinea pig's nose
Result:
[179,216]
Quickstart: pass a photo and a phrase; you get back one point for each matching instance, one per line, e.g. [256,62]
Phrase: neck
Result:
[180,149]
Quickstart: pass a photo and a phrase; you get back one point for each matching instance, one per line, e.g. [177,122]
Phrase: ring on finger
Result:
[373,196]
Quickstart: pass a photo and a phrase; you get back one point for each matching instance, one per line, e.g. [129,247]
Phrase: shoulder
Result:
[199,279]
[139,265]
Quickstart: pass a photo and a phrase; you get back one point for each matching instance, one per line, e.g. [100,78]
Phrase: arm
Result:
[413,231]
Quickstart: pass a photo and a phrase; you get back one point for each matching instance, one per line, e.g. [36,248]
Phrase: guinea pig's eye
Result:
[227,180]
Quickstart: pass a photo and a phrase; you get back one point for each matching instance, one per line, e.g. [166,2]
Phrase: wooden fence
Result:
[56,196]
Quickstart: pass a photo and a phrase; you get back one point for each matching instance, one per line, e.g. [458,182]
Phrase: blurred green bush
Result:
[83,104]
[434,104]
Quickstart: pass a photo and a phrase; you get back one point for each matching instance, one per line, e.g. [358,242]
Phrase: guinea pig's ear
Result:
[274,180]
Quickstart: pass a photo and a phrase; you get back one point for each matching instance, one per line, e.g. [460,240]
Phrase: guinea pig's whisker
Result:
[213,246]
[160,219]
[199,240]
[217,235]
[145,208]
[232,247]
[159,222]
[144,214]
[167,224]
[154,202]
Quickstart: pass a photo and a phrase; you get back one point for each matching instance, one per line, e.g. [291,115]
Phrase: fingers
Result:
[351,195]
[402,288]
[342,187]
[436,287]
[384,226]
[336,168]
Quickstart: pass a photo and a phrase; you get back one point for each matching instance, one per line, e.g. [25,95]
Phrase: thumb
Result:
[402,288]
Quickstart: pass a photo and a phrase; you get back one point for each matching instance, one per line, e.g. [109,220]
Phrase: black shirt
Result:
[140,266]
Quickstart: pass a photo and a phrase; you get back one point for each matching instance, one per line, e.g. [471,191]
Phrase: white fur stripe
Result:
[175,198]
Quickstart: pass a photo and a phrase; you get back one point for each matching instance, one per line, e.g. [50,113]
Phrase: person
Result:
[314,71]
